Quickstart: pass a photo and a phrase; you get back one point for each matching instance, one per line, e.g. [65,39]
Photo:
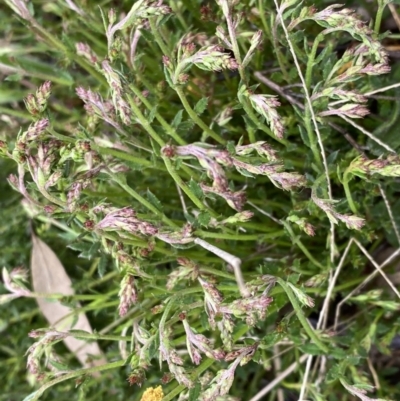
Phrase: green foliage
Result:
[219,182]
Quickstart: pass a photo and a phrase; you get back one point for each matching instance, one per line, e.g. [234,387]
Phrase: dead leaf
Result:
[50,277]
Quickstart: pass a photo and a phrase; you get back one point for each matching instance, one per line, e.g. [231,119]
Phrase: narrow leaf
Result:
[201,105]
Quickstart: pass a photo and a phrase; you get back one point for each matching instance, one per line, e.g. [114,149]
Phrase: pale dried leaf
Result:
[50,277]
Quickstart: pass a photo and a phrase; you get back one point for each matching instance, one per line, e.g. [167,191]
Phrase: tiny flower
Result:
[288,181]
[213,58]
[258,169]
[36,104]
[254,43]
[84,50]
[363,167]
[266,106]
[31,104]
[36,129]
[352,221]
[303,224]
[262,148]
[197,343]
[221,34]
[342,94]
[222,382]
[53,179]
[153,394]
[13,281]
[236,200]
[21,8]
[127,294]
[241,217]
[126,219]
[351,110]
[115,83]
[225,327]
[42,95]
[212,299]
[301,296]
[112,16]
[177,237]
[167,62]
[316,281]
[182,79]
[137,376]
[224,116]
[206,13]
[186,270]
[375,69]
[168,151]
[95,104]
[153,8]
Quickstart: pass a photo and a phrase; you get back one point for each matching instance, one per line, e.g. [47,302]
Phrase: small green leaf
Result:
[177,119]
[167,74]
[185,126]
[13,77]
[204,218]
[311,349]
[101,267]
[201,105]
[59,365]
[196,189]
[32,396]
[154,200]
[304,136]
[297,36]
[147,35]
[230,146]
[80,246]
[194,392]
[244,172]
[152,113]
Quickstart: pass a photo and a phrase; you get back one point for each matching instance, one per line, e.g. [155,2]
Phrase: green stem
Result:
[308,121]
[121,182]
[147,126]
[125,156]
[168,129]
[262,14]
[378,18]
[297,241]
[195,117]
[143,121]
[279,56]
[238,237]
[179,91]
[96,337]
[182,185]
[216,272]
[311,60]
[76,373]
[312,138]
[299,313]
[52,41]
[346,179]
[235,48]
[158,38]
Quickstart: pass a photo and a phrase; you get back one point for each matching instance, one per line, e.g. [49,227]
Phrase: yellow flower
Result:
[153,394]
